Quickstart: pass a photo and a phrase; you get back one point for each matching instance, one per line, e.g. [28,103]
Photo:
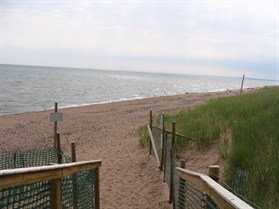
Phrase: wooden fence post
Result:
[162,141]
[58,143]
[150,124]
[171,161]
[14,161]
[73,151]
[241,89]
[171,179]
[55,124]
[214,172]
[97,189]
[182,163]
[55,194]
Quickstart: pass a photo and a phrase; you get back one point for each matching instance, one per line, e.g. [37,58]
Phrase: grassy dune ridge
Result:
[252,156]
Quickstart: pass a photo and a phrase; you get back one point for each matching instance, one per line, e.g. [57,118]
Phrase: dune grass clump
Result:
[253,120]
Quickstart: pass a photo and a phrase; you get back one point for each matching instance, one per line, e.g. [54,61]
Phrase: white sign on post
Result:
[56,116]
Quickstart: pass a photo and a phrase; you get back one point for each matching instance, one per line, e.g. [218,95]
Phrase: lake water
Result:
[34,88]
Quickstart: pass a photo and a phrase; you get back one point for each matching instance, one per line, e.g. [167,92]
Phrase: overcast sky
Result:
[228,38]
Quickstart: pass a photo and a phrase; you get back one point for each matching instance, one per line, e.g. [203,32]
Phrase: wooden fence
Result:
[221,197]
[188,189]
[53,174]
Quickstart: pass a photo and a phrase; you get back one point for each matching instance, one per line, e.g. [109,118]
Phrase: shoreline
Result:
[129,99]
[129,175]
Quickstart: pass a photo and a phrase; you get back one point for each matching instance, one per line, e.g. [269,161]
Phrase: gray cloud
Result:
[221,34]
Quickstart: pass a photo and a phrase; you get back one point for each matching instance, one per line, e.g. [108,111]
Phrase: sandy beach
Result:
[129,176]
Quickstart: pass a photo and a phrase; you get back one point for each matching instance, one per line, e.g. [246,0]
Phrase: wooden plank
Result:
[79,168]
[222,197]
[154,146]
[22,176]
[190,176]
[11,180]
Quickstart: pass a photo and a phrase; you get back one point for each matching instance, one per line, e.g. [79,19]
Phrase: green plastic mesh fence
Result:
[188,196]
[185,194]
[78,190]
[30,158]
[240,182]
[27,196]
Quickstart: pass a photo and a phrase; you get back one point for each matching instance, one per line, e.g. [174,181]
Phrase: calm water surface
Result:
[34,88]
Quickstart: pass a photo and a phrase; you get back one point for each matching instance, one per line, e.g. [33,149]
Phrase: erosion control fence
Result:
[31,158]
[71,185]
[188,189]
[48,179]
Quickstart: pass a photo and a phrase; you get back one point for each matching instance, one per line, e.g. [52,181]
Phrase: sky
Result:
[203,37]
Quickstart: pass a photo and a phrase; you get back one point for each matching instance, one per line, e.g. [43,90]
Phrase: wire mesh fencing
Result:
[77,190]
[28,196]
[31,158]
[184,193]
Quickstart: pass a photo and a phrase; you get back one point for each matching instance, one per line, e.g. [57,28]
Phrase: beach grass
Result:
[144,137]
[252,161]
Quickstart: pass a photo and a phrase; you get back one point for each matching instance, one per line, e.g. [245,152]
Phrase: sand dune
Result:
[129,176]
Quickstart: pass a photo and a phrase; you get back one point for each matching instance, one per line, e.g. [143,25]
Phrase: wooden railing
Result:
[213,194]
[53,174]
[221,197]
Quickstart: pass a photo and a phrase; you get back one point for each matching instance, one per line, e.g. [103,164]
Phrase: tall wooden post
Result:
[162,141]
[73,151]
[97,189]
[55,123]
[171,178]
[58,143]
[241,89]
[150,124]
[55,194]
[171,161]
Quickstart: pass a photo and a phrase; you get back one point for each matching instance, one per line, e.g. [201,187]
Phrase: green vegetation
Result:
[143,133]
[253,158]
